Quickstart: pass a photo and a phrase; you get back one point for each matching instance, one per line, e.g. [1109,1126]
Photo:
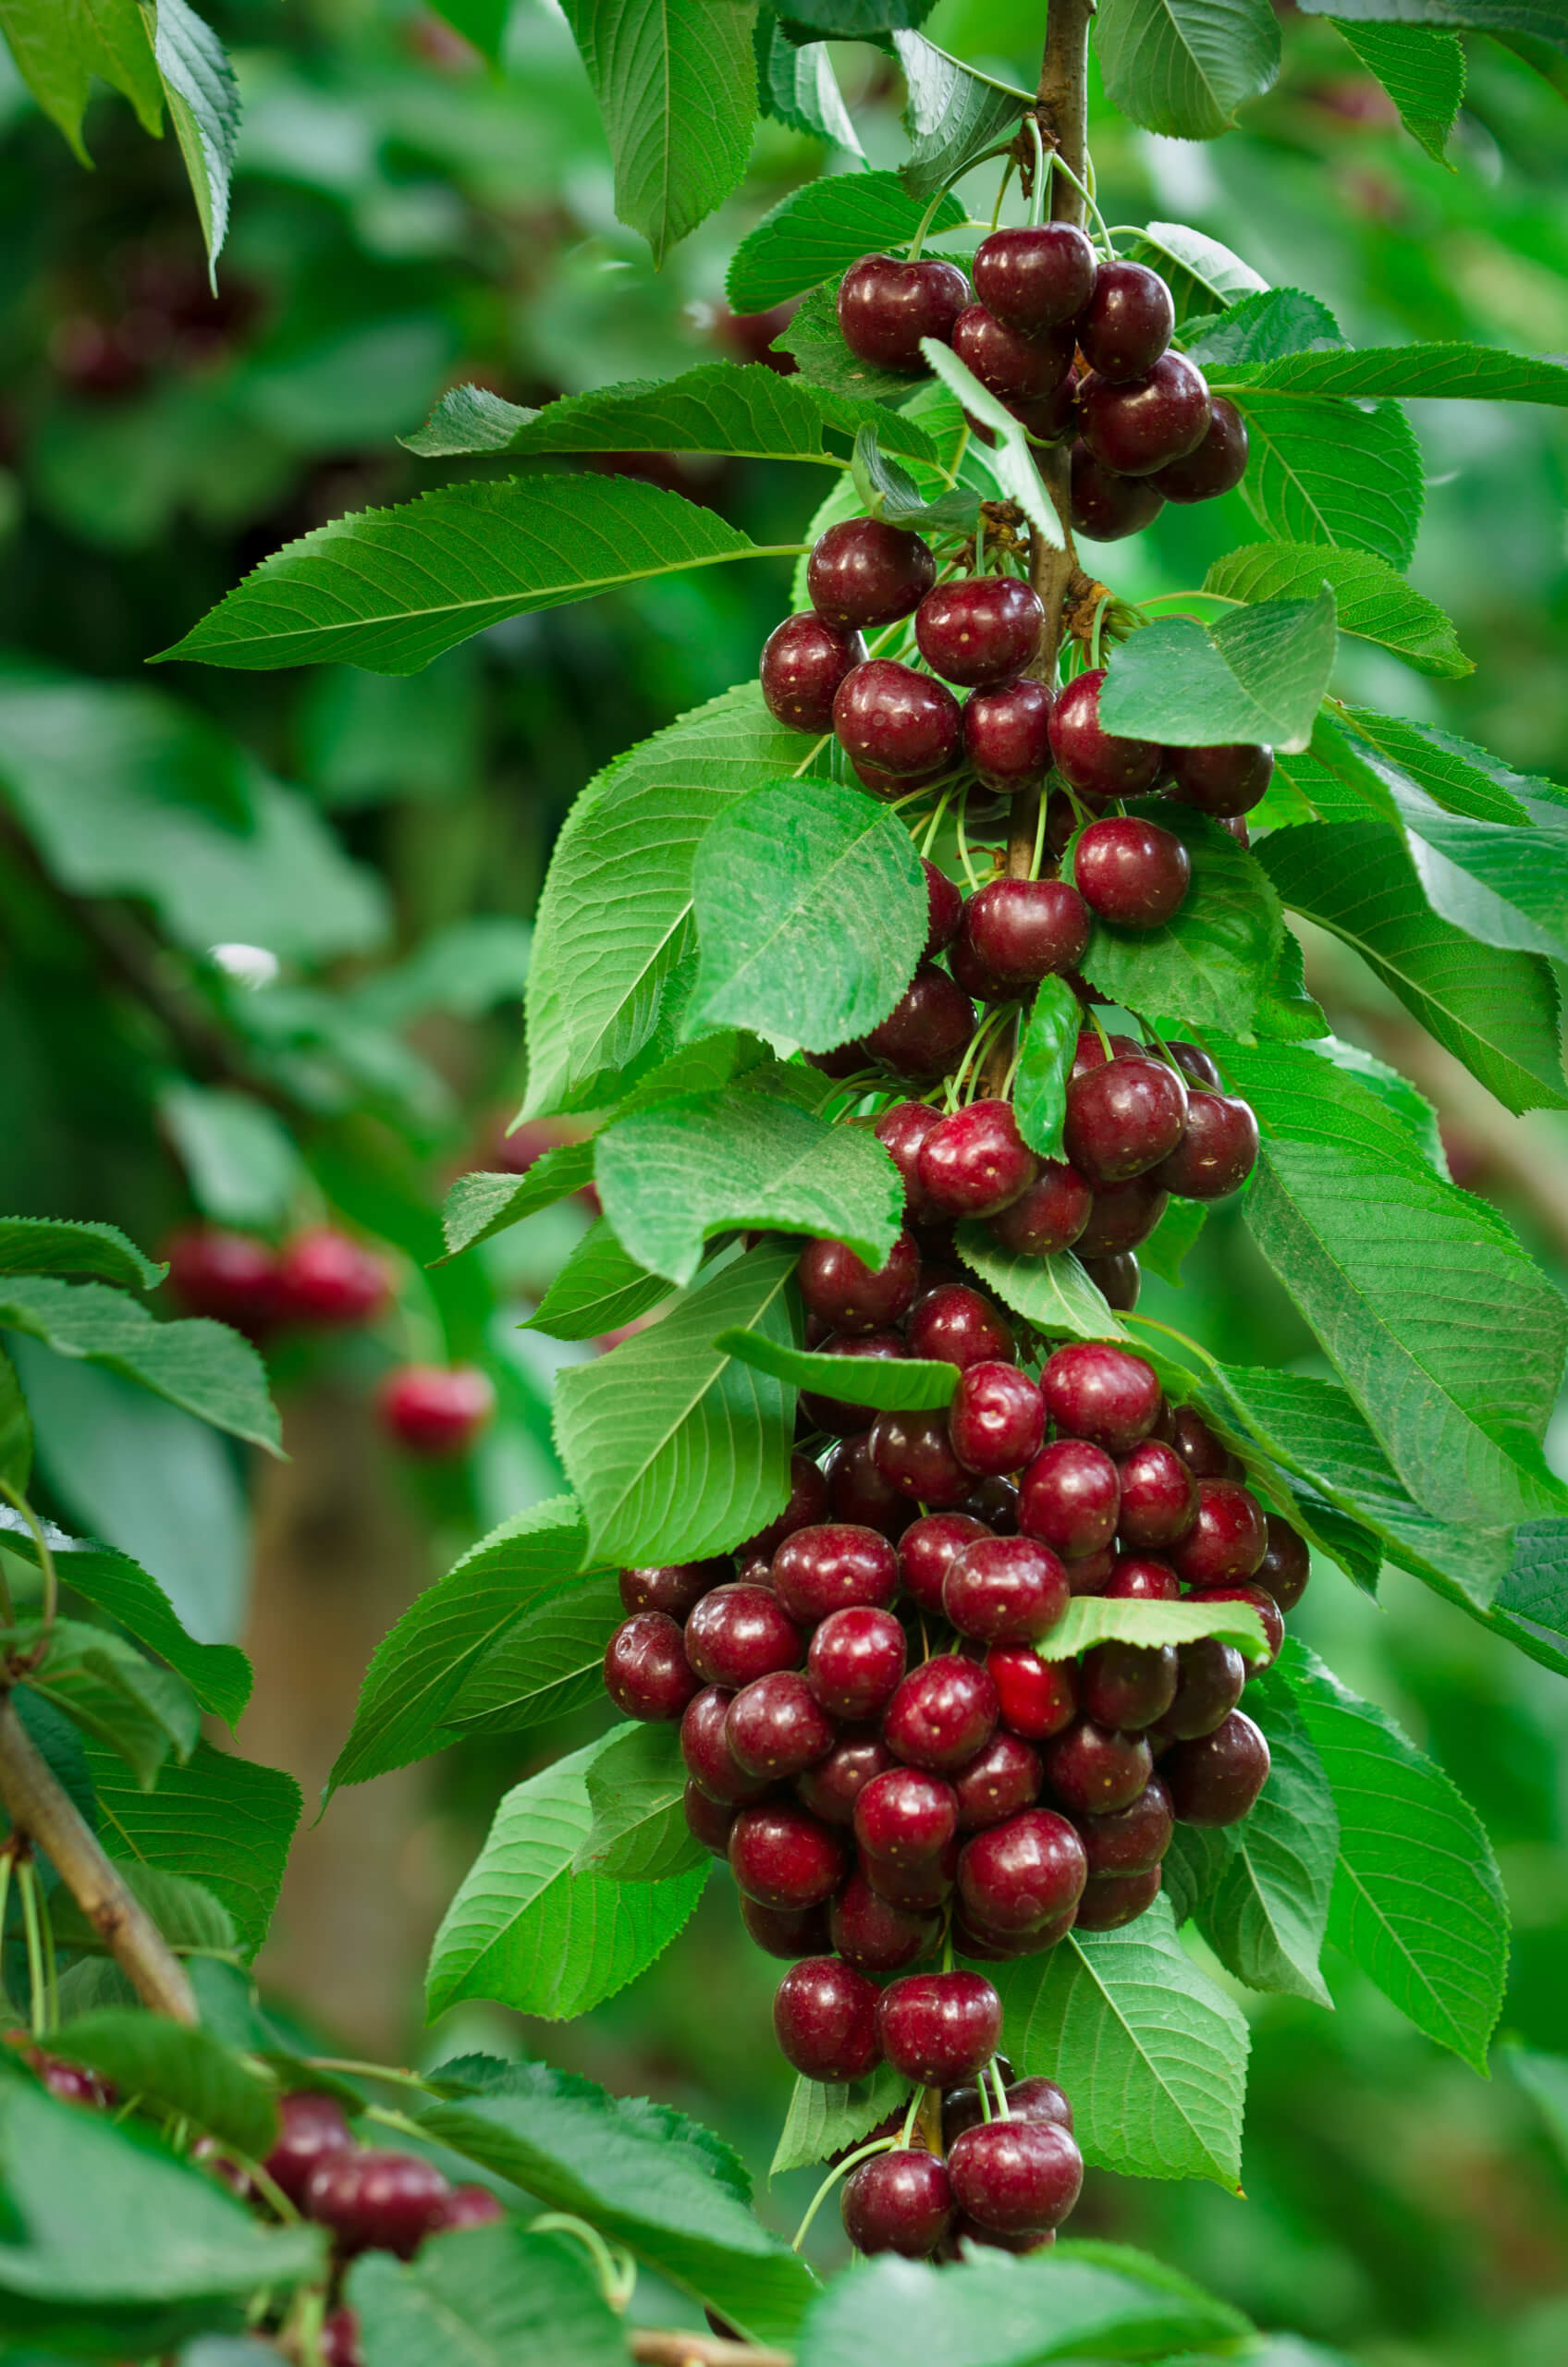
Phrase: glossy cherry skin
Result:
[1006,1590]
[1160,1497]
[1286,1565]
[1037,1697]
[856,1663]
[1203,1455]
[1023,930]
[1130,1840]
[1018,2176]
[1227,1541]
[676,1589]
[841,1291]
[1123,1215]
[807,1503]
[1049,1216]
[376,2200]
[739,1633]
[804,661]
[783,1856]
[976,1162]
[901,1131]
[1127,322]
[1094,1768]
[897,720]
[708,1820]
[1137,425]
[1131,872]
[999,1781]
[994,1502]
[1115,1277]
[1224,780]
[1068,1498]
[707,1755]
[906,1818]
[980,629]
[1217,1153]
[862,572]
[914,1453]
[789,1932]
[1123,1118]
[997,1419]
[1018,369]
[1139,1578]
[831,1566]
[938,2027]
[858,1493]
[1099,764]
[776,1727]
[1090,1572]
[927,1551]
[647,1673]
[831,1788]
[955,1325]
[928,1028]
[1125,1686]
[1021,1874]
[1209,1687]
[1195,1064]
[943,1713]
[1035,2099]
[873,1935]
[1215,464]
[228,1276]
[1105,506]
[1268,1610]
[899,2202]
[943,907]
[310,2127]
[843,1416]
[1007,735]
[1103,1393]
[325,1278]
[1216,1779]
[825,2020]
[1111,1900]
[885,306]
[922,1889]
[1035,279]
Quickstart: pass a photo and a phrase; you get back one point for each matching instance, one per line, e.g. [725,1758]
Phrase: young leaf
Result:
[1045,1047]
[484,2297]
[1259,674]
[1258,327]
[204,107]
[740,409]
[636,1786]
[676,1449]
[1011,457]
[1183,67]
[1053,1294]
[817,231]
[1152,2053]
[1422,71]
[1175,1233]
[796,85]
[390,589]
[954,115]
[598,1288]
[889,491]
[185,2071]
[1418,1902]
[547,1663]
[829,2116]
[1203,276]
[525,1931]
[59,45]
[220,1821]
[1089,1619]
[479,1205]
[56,1245]
[910,1382]
[1207,966]
[1372,602]
[1321,470]
[772,883]
[203,1366]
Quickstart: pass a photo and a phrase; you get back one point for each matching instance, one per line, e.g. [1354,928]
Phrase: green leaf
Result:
[1541,19]
[59,45]
[548,1662]
[1321,470]
[480,1205]
[525,1931]
[954,115]
[1203,276]
[1259,674]
[1544,2079]
[636,1788]
[818,230]
[772,881]
[1422,71]
[1273,321]
[184,2071]
[1012,458]
[104,1685]
[599,1287]
[1053,1294]
[204,108]
[1208,965]
[1089,1619]
[911,1382]
[220,1821]
[418,1669]
[887,491]
[56,1245]
[1152,2053]
[1337,1094]
[1172,1237]
[676,88]
[1538,57]
[390,589]
[186,1913]
[740,409]
[202,1367]
[484,2297]
[676,1449]
[1373,602]
[857,19]
[1459,776]
[1046,1046]
[643,2175]
[1183,67]
[796,85]
[812,336]
[1531,1608]
[15,1439]
[1418,1902]
[1495,1011]
[239,1159]
[829,2116]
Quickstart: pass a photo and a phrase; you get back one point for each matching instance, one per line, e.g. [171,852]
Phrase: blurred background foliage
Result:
[262,939]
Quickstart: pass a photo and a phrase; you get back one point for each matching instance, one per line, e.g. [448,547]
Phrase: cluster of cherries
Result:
[1072,346]
[325,1280]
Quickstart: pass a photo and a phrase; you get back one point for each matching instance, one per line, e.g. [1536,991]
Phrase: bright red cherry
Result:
[646,1670]
[975,1161]
[1130,1840]
[783,1856]
[979,628]
[1286,1565]
[927,1551]
[1094,1768]
[1131,872]
[1227,1541]
[1127,322]
[1006,1590]
[1139,424]
[1037,1697]
[1022,1874]
[1216,1779]
[942,1713]
[1126,1685]
[437,1411]
[928,1028]
[1100,1392]
[1023,930]
[311,2126]
[829,1568]
[999,1781]
[855,1663]
[955,1325]
[997,1419]
[1160,1497]
[1099,764]
[776,1727]
[375,2201]
[1035,279]
[897,720]
[1142,1578]
[1215,464]
[1069,1497]
[1049,1216]
[841,1291]
[873,1935]
[739,1633]
[1105,506]
[230,1277]
[938,2027]
[340,2338]
[1217,1153]
[885,306]
[1018,369]
[1123,1118]
[325,1278]
[862,572]
[1224,782]
[825,2020]
[899,2202]
[906,1817]
[1006,734]
[1018,2176]
[804,661]
[471,2206]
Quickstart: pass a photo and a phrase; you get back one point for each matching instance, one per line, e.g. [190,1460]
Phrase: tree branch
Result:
[38,1808]
[658,2348]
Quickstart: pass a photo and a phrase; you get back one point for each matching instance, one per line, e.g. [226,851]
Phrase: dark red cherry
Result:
[1037,1697]
[1111,1900]
[848,1296]
[1160,1497]
[676,1589]
[1215,464]
[994,1502]
[310,2127]
[1224,782]
[914,1453]
[807,1503]
[858,1493]
[975,977]
[1023,930]
[825,2020]
[1268,1610]
[708,1820]
[1130,1840]
[804,661]
[1123,1215]
[1195,1065]
[1216,1779]
[340,2338]
[905,1818]
[1090,1053]
[831,1566]
[942,1713]
[739,1633]
[789,1932]
[1006,1590]
[1142,1578]
[1123,1118]
[1021,1874]
[1286,1565]
[1090,1572]
[1139,424]
[845,1416]
[782,1857]
[1227,1541]
[975,1161]
[831,1788]
[1018,369]
[1131,872]
[901,1130]
[999,1781]
[928,1028]
[997,1419]
[1094,1768]
[927,1551]
[1035,279]
[1216,1154]
[1092,1390]
[1209,1687]
[899,2202]
[1127,322]
[1115,1277]
[979,628]
[1105,506]
[873,1935]
[1068,1498]
[955,1325]
[375,2201]
[889,716]
[862,572]
[1099,764]
[1018,2176]
[707,1755]
[646,1670]
[885,306]
[1049,1216]
[938,2027]
[1034,2099]
[1203,1455]
[1007,735]
[943,907]
[776,1727]
[1128,1685]
[855,1663]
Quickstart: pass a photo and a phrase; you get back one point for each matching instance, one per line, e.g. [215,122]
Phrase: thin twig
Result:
[658,2347]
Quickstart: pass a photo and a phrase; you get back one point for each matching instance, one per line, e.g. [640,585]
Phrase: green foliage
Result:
[954,115]
[1183,67]
[599,1287]
[1259,674]
[202,1367]
[743,411]
[639,1834]
[59,45]
[1203,275]
[105,1686]
[479,1206]
[1422,71]
[1540,19]
[184,2071]
[1320,470]
[1208,965]
[907,1381]
[484,2297]
[203,99]
[827,2115]
[1048,1041]
[1089,1619]
[551,1660]
[796,85]
[45,1245]
[1053,1294]
[220,1821]
[818,230]
[1371,601]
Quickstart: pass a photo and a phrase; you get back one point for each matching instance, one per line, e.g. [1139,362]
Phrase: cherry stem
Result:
[963,849]
[617,2270]
[7,1860]
[1035,859]
[669,2346]
[850,2161]
[308,2318]
[926,221]
[45,1558]
[37,1986]
[911,2117]
[1087,193]
[987,2110]
[1171,1333]
[1099,1026]
[1043,165]
[1008,171]
[356,2069]
[942,804]
[1003,2107]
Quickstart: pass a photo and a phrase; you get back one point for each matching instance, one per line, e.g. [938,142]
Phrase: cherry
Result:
[825,2020]
[1158,1500]
[1142,1578]
[1019,1875]
[1131,871]
[1037,1697]
[1001,1779]
[921,1888]
[942,1713]
[841,1291]
[676,1589]
[1218,1151]
[873,1935]
[340,2338]
[858,1493]
[1286,1565]
[1268,1610]
[1068,1498]
[375,2201]
[227,1276]
[927,1551]
[1227,1541]
[707,1755]
[997,1419]
[975,977]
[1023,930]
[943,907]
[901,722]
[937,2027]
[323,1278]
[1215,463]
[708,1820]
[1018,369]
[1102,1393]
[1138,424]
[899,2202]
[1006,734]
[1208,1689]
[1127,1686]
[1094,1768]
[862,572]
[905,1818]
[775,1727]
[831,1788]
[975,1161]
[310,2127]
[1006,1590]
[1049,1216]
[885,306]
[1018,2176]
[1116,1276]
[1099,764]
[1127,322]
[647,1673]
[927,1029]
[1105,506]
[1090,1572]
[828,1568]
[1123,1216]
[842,1416]
[855,1663]
[434,1411]
[1035,2099]
[739,1633]
[1203,1455]
[914,1454]
[804,661]
[1111,1900]
[994,1503]
[73,2083]
[782,1857]
[955,1325]
[1225,781]
[1090,1053]
[1129,1840]
[471,2206]
[1195,1065]
[1124,1118]
[807,1503]
[1215,1779]
[1035,279]
[979,630]
[903,1129]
